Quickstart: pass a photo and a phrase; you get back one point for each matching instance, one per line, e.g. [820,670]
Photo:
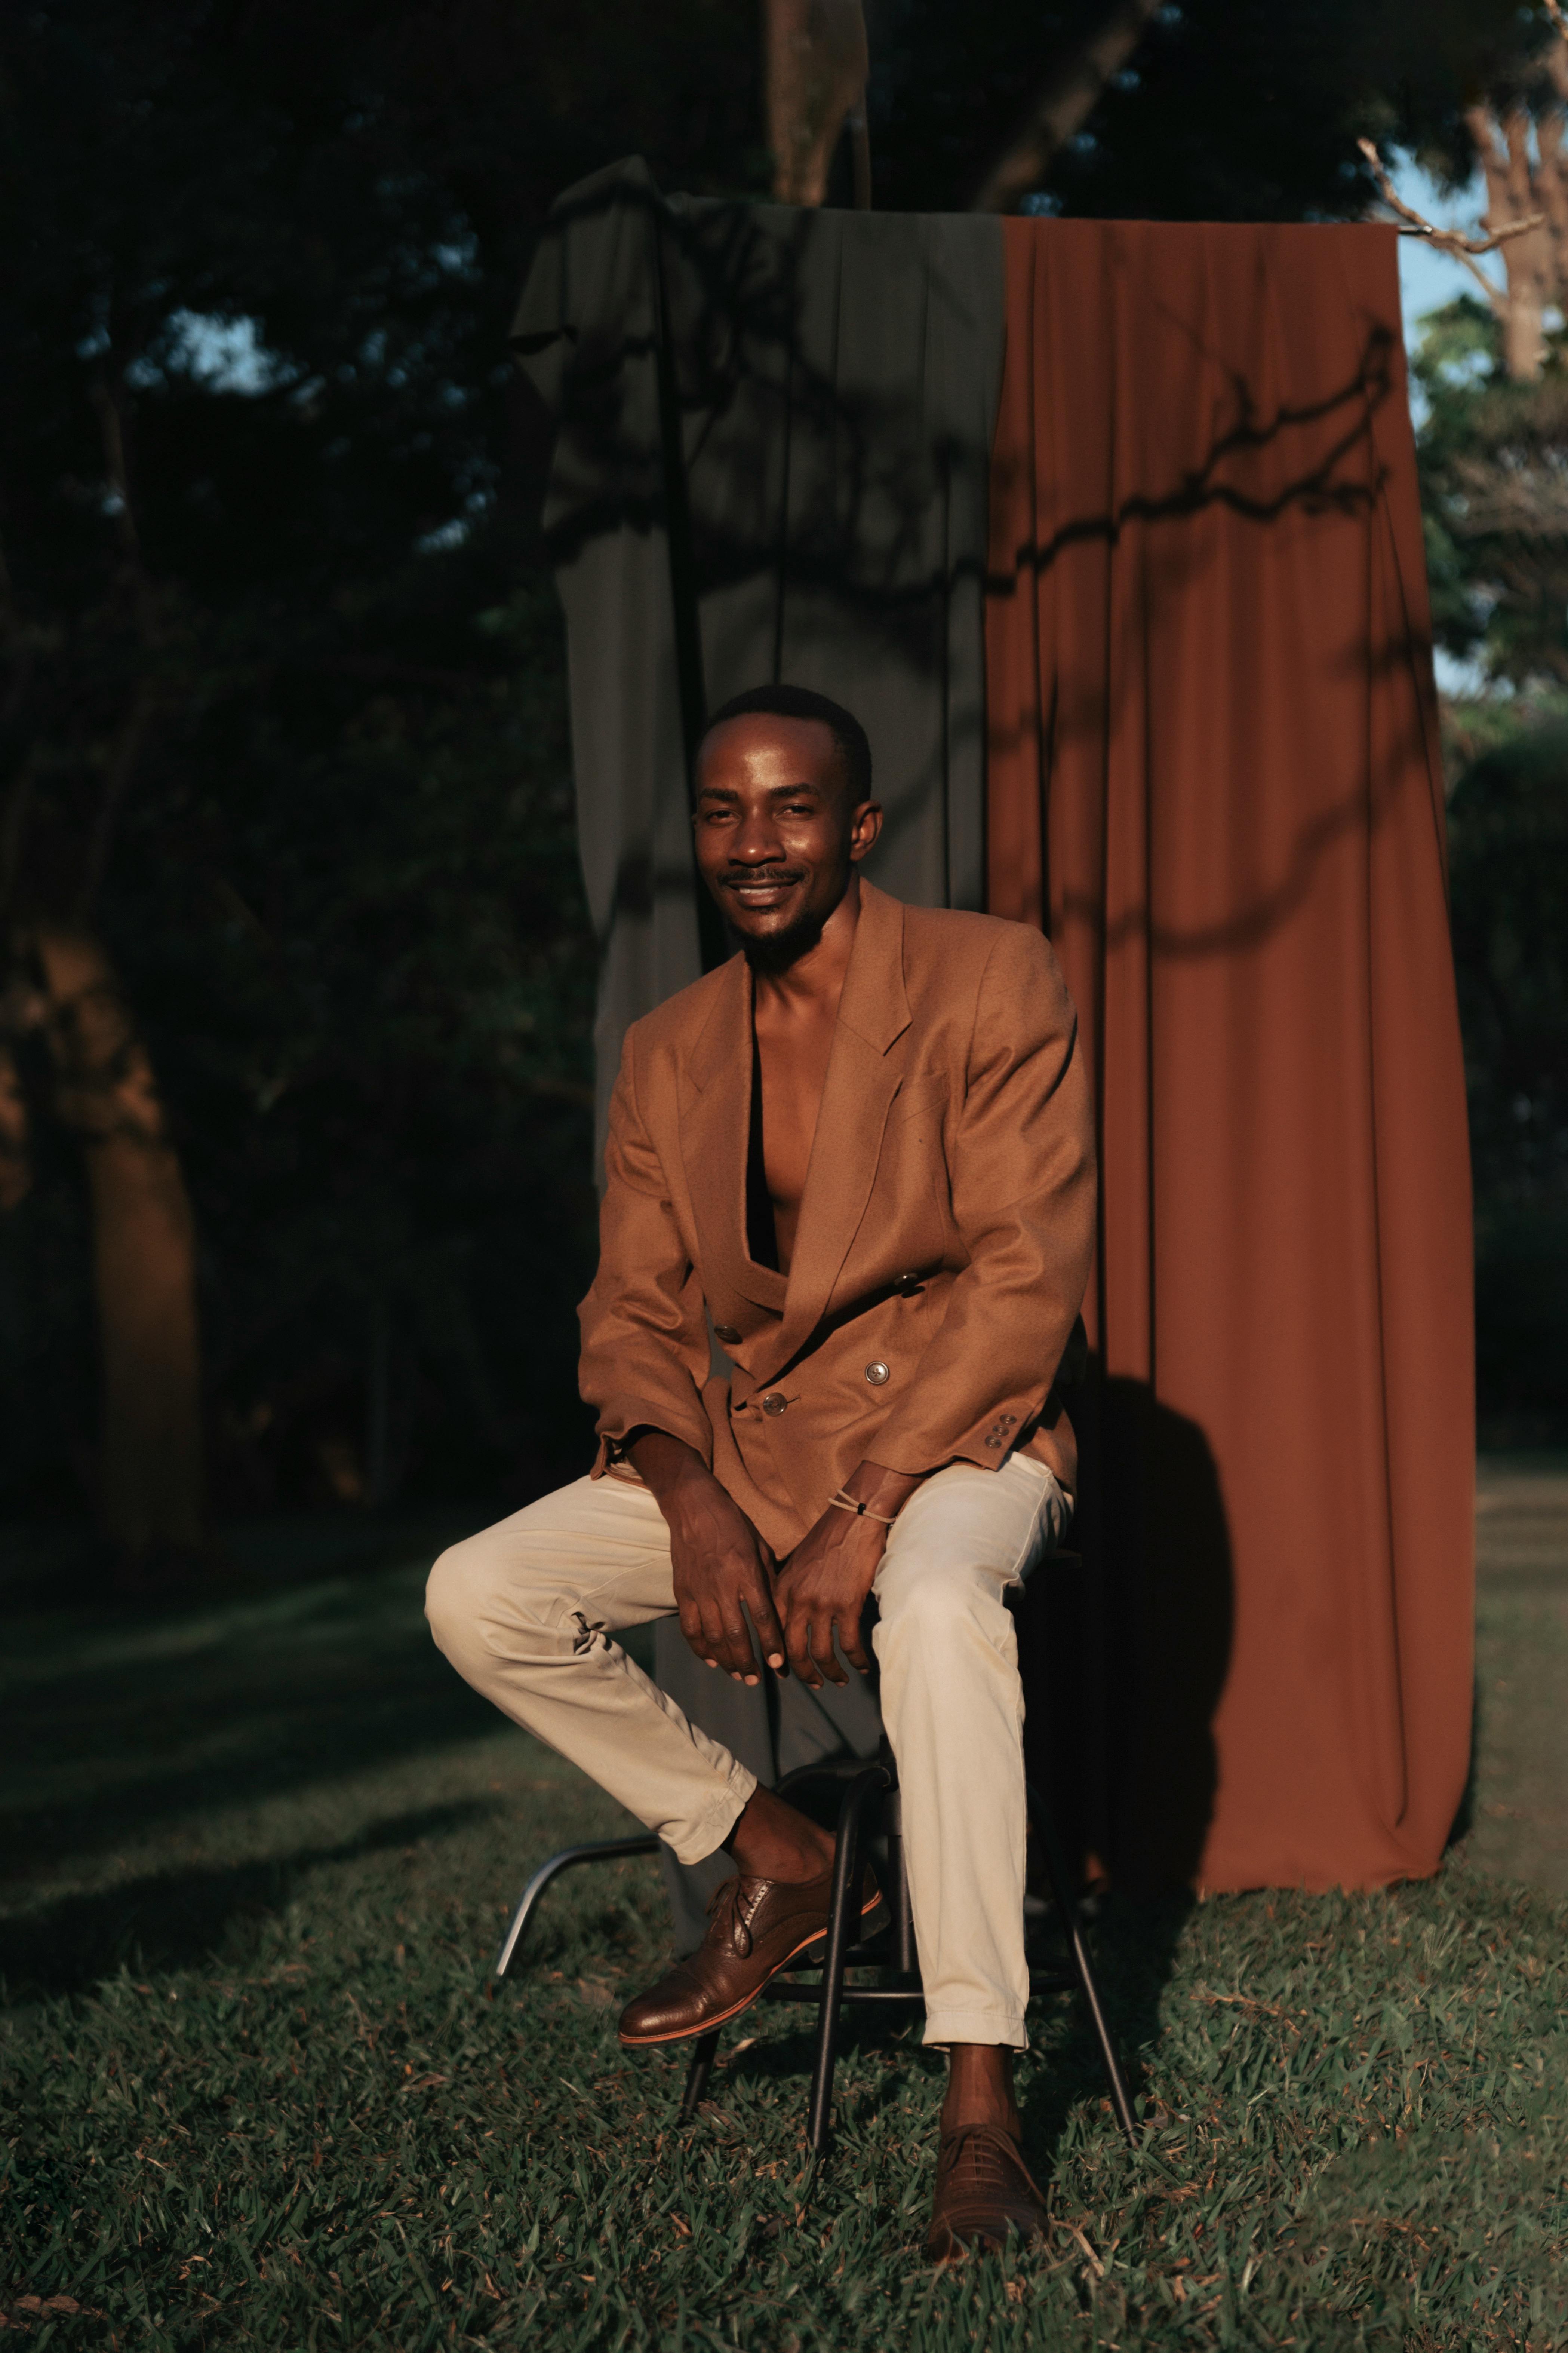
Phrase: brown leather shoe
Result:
[984,2193]
[756,1928]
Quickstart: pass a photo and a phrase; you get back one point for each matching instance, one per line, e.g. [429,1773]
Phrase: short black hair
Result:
[801,702]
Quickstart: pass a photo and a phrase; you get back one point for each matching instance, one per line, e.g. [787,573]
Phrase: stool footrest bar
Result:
[600,1851]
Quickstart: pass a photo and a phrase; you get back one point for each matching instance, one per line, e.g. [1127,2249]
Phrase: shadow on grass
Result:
[233,1738]
[172,1919]
[114,1723]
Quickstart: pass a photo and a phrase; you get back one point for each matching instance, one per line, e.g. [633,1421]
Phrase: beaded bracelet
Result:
[842,1503]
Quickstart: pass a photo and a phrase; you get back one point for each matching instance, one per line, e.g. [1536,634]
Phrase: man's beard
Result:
[777,953]
[779,949]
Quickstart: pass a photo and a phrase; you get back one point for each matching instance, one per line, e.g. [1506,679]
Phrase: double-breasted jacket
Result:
[944,1240]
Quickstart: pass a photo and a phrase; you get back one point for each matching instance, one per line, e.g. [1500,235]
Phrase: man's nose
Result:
[755,840]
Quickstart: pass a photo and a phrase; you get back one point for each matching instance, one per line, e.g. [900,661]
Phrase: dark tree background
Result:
[282,721]
[1494,460]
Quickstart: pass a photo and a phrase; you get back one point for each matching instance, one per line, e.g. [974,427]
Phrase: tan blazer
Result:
[943,1241]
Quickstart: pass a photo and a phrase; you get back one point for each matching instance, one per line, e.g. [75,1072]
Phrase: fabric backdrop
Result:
[1215,777]
[772,459]
[1109,531]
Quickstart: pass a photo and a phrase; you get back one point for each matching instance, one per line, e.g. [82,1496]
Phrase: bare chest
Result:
[792,1070]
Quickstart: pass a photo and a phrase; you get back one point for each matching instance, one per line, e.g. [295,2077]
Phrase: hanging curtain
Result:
[772,459]
[1214,779]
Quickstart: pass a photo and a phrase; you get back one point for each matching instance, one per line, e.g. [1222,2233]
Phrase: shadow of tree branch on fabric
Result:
[725,289]
[1318,488]
[1357,813]
[1175,563]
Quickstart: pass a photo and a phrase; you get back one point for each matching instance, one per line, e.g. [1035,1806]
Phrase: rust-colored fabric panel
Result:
[1214,779]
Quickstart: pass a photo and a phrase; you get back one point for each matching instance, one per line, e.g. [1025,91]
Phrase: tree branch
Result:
[1065,105]
[1446,240]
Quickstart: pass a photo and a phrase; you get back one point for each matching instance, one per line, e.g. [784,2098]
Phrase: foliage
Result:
[1494,475]
[291,2117]
[1508,830]
[1508,842]
[1494,464]
[1226,111]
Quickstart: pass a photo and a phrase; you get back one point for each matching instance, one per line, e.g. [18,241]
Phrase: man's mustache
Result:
[770,875]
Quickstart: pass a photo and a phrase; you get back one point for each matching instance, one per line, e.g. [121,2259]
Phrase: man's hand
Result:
[825,1582]
[717,1558]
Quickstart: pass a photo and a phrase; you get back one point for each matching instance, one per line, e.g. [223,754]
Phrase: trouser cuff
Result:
[1002,2027]
[706,1834]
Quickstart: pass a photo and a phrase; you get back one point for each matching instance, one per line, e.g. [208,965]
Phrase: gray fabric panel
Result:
[629,755]
[772,446]
[829,381]
[586,333]
[838,377]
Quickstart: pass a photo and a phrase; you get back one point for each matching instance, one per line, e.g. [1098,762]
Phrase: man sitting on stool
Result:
[862,1148]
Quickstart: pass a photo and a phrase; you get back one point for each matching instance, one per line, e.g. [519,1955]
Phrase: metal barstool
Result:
[870,1805]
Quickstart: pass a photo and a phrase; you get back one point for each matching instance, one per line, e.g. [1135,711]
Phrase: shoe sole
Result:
[690,2034]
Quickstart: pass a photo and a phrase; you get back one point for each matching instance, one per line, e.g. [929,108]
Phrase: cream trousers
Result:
[526,1610]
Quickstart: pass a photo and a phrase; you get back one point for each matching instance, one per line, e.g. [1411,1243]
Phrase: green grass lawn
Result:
[258,1853]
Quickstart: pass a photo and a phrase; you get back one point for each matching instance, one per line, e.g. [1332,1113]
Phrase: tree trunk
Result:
[16,1143]
[815,58]
[1535,266]
[151,1492]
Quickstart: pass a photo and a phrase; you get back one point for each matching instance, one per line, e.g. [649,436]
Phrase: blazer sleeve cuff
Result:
[916,1449]
[619,1415]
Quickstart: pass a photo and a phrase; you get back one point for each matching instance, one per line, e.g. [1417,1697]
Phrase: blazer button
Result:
[727,1333]
[876,1374]
[774,1401]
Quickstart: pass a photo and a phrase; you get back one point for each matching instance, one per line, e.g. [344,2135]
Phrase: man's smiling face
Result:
[777,835]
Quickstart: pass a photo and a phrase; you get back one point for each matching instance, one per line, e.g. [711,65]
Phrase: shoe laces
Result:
[727,1908]
[990,2159]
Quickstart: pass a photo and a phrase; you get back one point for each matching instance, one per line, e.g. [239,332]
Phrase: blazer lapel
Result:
[860,1086]
[715,1120]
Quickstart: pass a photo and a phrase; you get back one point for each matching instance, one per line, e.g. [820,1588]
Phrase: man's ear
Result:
[863,827]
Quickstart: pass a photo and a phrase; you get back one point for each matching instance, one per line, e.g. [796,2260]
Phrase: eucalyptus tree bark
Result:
[16,1133]
[1518,183]
[59,983]
[143,1255]
[1064,104]
[816,62]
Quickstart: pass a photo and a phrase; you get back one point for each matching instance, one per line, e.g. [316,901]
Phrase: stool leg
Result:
[896,1891]
[843,1924]
[703,2052]
[1083,1969]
